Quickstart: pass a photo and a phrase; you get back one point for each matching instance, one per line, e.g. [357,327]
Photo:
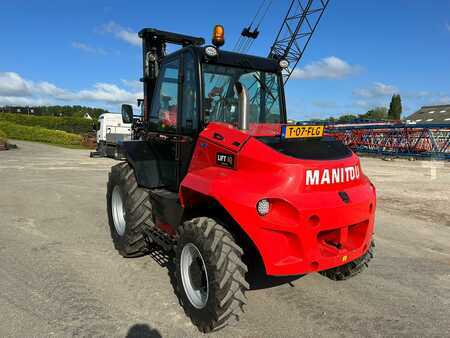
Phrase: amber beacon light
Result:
[218,38]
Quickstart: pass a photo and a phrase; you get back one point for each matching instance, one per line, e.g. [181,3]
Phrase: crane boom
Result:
[296,31]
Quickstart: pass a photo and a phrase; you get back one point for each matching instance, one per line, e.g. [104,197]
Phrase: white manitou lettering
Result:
[332,176]
[352,173]
[325,177]
[347,169]
[335,176]
[312,177]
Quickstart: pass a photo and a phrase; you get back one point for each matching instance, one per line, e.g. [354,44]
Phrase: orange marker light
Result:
[218,38]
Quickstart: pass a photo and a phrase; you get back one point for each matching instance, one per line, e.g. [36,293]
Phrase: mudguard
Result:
[151,162]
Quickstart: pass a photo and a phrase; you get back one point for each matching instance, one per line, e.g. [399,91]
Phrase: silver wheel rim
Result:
[118,212]
[191,261]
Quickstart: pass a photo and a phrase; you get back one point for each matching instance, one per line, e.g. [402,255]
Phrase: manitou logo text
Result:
[332,176]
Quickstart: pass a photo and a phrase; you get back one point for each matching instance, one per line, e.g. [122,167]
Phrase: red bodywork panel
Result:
[309,227]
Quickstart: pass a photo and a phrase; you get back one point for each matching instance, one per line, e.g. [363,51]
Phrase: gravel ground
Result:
[60,276]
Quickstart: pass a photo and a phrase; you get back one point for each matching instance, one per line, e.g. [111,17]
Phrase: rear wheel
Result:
[101,148]
[353,268]
[116,154]
[209,274]
[129,211]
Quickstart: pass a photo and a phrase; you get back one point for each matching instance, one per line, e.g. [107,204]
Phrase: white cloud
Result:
[88,49]
[134,84]
[15,90]
[378,95]
[447,25]
[109,93]
[12,85]
[377,90]
[327,68]
[22,101]
[442,100]
[366,105]
[418,95]
[124,34]
[50,90]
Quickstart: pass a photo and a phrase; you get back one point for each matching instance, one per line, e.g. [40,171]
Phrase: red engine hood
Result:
[256,161]
[229,136]
[260,161]
[309,198]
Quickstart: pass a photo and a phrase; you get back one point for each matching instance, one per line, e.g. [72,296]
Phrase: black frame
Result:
[147,153]
[183,154]
[170,58]
[225,58]
[281,97]
[199,80]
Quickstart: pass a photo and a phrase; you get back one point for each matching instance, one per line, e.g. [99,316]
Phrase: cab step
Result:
[161,238]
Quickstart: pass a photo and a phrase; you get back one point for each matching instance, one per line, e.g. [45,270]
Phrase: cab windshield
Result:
[221,101]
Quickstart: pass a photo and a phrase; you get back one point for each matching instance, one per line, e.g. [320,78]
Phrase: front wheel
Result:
[209,274]
[129,211]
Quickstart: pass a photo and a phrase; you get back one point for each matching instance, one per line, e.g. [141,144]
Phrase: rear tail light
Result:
[263,207]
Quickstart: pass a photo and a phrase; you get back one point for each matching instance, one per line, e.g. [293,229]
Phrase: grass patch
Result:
[75,125]
[38,134]
[2,136]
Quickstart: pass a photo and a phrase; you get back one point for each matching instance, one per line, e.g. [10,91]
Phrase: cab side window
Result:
[163,114]
[189,113]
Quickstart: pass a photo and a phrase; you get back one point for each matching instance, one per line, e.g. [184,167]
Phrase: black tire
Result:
[352,268]
[101,148]
[137,211]
[225,274]
[116,154]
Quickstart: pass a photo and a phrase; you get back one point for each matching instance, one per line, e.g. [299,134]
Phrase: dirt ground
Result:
[60,276]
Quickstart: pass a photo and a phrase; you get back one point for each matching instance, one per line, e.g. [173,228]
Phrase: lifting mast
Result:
[298,27]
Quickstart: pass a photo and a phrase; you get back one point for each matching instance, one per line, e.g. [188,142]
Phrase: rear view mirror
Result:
[127,113]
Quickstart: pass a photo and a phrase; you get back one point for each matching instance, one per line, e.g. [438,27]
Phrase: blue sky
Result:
[72,52]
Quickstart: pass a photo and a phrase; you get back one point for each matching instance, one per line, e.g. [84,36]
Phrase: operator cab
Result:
[194,89]
[194,86]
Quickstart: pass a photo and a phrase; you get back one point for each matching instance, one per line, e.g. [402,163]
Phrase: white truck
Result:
[111,133]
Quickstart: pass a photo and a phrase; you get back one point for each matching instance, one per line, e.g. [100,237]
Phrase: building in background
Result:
[430,115]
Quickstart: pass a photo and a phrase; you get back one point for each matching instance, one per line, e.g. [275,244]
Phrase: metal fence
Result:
[419,141]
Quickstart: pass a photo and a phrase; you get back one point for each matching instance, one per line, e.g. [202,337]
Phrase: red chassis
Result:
[321,211]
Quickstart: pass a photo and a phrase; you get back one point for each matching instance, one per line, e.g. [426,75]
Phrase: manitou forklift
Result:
[215,174]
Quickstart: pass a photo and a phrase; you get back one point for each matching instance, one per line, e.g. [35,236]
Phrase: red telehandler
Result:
[215,176]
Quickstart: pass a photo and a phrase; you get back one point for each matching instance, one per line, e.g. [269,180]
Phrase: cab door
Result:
[189,113]
[174,118]
[163,123]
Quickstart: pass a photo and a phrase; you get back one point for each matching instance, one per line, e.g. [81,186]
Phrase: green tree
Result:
[66,111]
[377,113]
[395,107]
[347,118]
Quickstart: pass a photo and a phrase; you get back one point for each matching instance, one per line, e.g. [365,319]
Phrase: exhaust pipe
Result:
[242,106]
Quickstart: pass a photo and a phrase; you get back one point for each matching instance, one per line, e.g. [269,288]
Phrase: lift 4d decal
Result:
[332,176]
[225,160]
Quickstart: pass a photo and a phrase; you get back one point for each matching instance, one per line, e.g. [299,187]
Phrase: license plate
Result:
[301,131]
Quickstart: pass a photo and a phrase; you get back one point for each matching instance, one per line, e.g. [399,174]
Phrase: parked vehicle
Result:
[217,176]
[111,133]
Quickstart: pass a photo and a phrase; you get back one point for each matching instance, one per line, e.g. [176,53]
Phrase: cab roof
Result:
[155,37]
[243,60]
[227,58]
